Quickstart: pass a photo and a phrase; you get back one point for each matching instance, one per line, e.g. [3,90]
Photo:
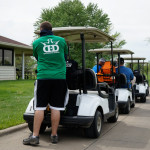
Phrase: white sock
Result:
[34,136]
[53,135]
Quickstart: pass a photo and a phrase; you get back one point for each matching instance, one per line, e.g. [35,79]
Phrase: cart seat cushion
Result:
[91,80]
[121,81]
[74,76]
[139,77]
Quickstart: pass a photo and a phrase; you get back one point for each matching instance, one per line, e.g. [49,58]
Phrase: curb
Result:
[13,129]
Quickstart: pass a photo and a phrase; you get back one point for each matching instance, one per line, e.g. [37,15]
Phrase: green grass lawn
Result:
[14,98]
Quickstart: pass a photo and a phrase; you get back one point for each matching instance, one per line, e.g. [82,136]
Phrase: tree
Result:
[74,13]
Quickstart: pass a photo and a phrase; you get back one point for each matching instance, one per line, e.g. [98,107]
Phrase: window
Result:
[6,57]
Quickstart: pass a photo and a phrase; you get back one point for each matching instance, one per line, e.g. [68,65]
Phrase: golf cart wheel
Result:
[115,117]
[133,104]
[127,108]
[143,99]
[95,129]
[147,92]
[136,99]
[42,129]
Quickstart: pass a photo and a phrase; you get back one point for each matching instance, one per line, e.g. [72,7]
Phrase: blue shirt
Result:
[128,72]
[95,68]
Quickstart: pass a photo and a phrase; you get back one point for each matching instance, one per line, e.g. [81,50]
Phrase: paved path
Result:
[131,132]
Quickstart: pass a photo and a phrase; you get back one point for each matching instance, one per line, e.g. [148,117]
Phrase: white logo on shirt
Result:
[50,47]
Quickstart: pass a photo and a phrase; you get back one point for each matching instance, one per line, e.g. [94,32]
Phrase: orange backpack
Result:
[104,75]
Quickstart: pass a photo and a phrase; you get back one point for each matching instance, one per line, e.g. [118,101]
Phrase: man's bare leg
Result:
[38,118]
[55,118]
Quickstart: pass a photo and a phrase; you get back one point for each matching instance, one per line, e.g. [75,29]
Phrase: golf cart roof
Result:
[108,51]
[139,62]
[72,34]
[134,58]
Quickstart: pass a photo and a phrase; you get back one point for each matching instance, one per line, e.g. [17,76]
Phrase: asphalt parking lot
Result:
[130,132]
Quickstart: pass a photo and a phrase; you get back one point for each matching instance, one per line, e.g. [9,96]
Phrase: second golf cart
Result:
[124,96]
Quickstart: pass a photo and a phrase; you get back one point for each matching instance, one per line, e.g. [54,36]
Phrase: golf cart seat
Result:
[121,81]
[139,77]
[74,77]
[91,79]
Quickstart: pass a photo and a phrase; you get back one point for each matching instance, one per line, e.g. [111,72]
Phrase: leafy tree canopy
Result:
[74,13]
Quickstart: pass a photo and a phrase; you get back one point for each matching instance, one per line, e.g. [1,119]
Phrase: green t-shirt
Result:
[50,53]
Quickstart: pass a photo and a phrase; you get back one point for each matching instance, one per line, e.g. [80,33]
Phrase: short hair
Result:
[121,61]
[46,25]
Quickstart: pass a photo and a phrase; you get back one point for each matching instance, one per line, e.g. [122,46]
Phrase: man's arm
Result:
[95,68]
[131,75]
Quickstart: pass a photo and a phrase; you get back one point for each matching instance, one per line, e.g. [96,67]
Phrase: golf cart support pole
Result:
[143,66]
[118,63]
[112,62]
[68,50]
[132,61]
[138,65]
[97,64]
[83,62]
[147,72]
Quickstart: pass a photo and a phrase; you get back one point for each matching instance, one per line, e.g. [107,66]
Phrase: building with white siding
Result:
[9,49]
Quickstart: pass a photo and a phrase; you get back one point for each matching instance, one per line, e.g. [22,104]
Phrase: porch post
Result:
[14,64]
[22,65]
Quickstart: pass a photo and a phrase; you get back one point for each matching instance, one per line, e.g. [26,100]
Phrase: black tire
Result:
[133,98]
[136,99]
[143,99]
[94,130]
[115,117]
[127,108]
[147,92]
[133,105]
[42,129]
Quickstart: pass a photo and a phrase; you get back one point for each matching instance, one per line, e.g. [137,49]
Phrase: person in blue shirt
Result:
[101,63]
[127,71]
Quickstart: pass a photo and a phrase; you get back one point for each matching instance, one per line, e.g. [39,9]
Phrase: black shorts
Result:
[50,91]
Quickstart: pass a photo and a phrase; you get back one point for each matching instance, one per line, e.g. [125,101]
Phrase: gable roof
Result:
[17,46]
[7,40]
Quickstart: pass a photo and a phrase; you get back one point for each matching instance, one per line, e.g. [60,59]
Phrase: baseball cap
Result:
[102,60]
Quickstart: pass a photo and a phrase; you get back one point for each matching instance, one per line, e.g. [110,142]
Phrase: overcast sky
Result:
[129,17]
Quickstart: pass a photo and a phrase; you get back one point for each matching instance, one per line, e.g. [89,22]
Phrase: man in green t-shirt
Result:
[50,86]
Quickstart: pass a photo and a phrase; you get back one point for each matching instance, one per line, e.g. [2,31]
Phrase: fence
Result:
[27,75]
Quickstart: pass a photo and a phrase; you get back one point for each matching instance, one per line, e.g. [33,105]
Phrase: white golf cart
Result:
[124,96]
[141,87]
[88,107]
